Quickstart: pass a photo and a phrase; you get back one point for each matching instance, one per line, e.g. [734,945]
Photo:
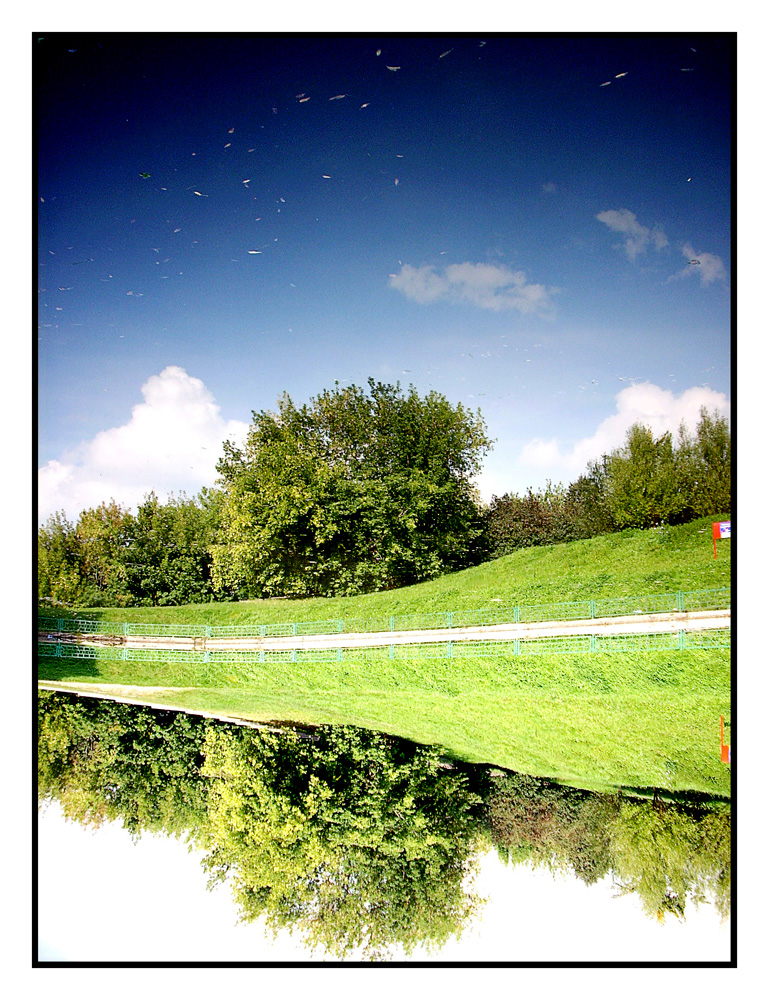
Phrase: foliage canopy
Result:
[647,482]
[360,491]
[354,492]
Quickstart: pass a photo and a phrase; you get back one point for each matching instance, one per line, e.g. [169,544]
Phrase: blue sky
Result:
[509,220]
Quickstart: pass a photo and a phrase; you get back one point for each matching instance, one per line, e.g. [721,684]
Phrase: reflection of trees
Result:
[356,839]
[668,855]
[105,761]
[361,841]
[548,824]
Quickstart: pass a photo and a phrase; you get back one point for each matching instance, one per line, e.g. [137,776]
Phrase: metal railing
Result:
[608,607]
[569,644]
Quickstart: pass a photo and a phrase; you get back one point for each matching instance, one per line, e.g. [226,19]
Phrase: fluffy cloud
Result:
[170,444]
[644,403]
[637,237]
[488,286]
[709,267]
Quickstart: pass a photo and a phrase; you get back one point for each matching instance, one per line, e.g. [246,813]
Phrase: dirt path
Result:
[622,625]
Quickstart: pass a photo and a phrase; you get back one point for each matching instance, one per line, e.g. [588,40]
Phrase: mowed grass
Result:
[625,564]
[599,720]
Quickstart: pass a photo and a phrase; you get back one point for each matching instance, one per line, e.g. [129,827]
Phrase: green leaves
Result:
[668,857]
[159,556]
[652,481]
[643,489]
[359,840]
[351,493]
[647,482]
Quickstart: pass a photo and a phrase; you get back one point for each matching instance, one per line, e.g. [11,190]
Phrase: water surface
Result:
[193,840]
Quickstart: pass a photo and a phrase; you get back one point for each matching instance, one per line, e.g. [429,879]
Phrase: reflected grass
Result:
[599,721]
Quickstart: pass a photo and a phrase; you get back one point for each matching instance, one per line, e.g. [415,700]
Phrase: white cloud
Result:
[644,403]
[638,237]
[171,444]
[420,284]
[709,267]
[488,286]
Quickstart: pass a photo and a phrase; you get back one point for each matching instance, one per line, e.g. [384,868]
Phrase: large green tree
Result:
[104,534]
[704,462]
[643,488]
[354,492]
[358,840]
[160,555]
[669,857]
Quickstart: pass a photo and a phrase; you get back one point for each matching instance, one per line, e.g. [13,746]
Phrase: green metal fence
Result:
[639,642]
[612,607]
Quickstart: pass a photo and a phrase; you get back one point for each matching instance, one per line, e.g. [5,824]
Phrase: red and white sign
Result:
[721,529]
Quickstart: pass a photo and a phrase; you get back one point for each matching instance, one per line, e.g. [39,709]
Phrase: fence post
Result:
[593,642]
[592,609]
[392,623]
[682,639]
[340,627]
[516,614]
[450,650]
[450,618]
[392,652]
[516,647]
[680,600]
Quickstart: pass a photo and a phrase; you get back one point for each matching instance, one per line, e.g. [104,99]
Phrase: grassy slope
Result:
[597,721]
[619,565]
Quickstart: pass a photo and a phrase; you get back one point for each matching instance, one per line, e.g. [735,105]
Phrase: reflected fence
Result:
[717,599]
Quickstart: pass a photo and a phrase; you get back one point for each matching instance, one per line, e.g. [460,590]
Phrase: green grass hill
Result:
[596,720]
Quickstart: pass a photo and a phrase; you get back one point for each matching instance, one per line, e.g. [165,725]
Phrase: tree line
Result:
[360,840]
[364,490]
[647,482]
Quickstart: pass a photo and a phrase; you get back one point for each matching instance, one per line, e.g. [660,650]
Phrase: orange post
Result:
[726,749]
